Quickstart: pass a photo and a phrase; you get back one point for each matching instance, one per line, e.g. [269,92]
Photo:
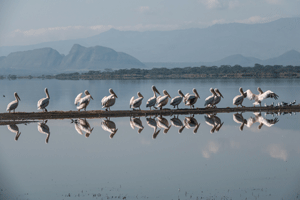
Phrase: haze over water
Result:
[259,162]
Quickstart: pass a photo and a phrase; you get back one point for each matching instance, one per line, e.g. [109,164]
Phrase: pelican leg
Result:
[46,110]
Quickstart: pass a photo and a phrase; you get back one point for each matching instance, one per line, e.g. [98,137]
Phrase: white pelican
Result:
[82,103]
[44,102]
[238,100]
[258,98]
[163,123]
[83,125]
[15,129]
[136,103]
[210,100]
[109,126]
[261,120]
[152,123]
[177,100]
[136,122]
[43,128]
[163,100]
[190,122]
[217,122]
[209,120]
[152,101]
[217,97]
[177,123]
[238,118]
[14,104]
[110,100]
[191,99]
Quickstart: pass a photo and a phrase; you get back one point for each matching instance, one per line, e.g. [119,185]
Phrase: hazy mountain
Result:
[289,58]
[262,41]
[48,60]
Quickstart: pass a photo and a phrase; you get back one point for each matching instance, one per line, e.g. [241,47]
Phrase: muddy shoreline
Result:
[137,113]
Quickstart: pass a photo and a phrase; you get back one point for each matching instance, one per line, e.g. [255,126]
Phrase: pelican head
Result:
[112,92]
[196,93]
[166,93]
[155,90]
[47,93]
[260,90]
[242,92]
[180,93]
[87,93]
[17,96]
[218,92]
[140,95]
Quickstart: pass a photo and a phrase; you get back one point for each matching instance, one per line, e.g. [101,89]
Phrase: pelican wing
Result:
[209,100]
[137,102]
[176,101]
[77,128]
[131,101]
[162,99]
[13,128]
[238,100]
[43,103]
[77,99]
[12,105]
[267,94]
[151,102]
[250,95]
[209,121]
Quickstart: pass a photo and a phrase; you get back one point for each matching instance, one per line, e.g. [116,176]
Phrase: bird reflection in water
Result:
[175,121]
[238,118]
[44,128]
[214,121]
[15,129]
[109,126]
[163,123]
[152,123]
[82,125]
[261,120]
[136,122]
[191,122]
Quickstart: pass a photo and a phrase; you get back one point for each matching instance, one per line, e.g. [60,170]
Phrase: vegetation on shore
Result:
[203,72]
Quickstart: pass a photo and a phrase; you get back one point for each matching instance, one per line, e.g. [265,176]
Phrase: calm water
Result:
[210,158]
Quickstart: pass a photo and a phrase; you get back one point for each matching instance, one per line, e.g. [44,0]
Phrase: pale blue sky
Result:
[34,21]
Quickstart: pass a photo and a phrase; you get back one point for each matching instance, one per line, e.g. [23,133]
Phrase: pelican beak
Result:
[18,97]
[169,96]
[221,94]
[197,94]
[92,97]
[156,90]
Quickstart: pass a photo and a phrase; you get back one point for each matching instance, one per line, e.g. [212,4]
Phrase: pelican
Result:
[83,125]
[82,103]
[163,100]
[190,122]
[177,100]
[110,100]
[136,103]
[109,126]
[152,101]
[191,99]
[15,129]
[210,100]
[44,102]
[136,122]
[238,100]
[261,120]
[152,123]
[44,128]
[218,122]
[177,123]
[14,104]
[163,123]
[238,118]
[217,97]
[209,120]
[258,98]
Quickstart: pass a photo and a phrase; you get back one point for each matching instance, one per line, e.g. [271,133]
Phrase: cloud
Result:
[144,9]
[276,151]
[220,4]
[258,19]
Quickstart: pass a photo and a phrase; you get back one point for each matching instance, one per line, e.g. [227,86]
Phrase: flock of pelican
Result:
[155,101]
[158,123]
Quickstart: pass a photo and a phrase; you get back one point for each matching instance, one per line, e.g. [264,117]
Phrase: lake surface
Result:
[212,157]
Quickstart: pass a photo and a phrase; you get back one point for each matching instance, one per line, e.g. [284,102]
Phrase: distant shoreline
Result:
[203,72]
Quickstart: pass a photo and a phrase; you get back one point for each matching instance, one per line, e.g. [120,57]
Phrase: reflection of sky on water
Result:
[252,163]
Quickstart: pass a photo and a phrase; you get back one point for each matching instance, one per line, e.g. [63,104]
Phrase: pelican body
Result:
[136,122]
[110,100]
[210,100]
[191,99]
[15,129]
[238,100]
[44,128]
[163,100]
[14,104]
[109,126]
[152,101]
[83,125]
[44,102]
[82,103]
[136,103]
[177,100]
